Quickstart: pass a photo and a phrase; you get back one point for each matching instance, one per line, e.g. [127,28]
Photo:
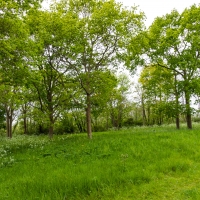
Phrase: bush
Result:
[196,119]
[99,128]
[132,122]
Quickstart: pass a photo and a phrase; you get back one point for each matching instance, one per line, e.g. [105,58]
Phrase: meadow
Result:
[135,163]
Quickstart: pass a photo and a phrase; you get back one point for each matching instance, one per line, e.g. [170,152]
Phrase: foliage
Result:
[157,85]
[58,66]
[171,43]
[104,29]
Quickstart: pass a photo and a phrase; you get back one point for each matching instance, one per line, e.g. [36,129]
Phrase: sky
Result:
[155,8]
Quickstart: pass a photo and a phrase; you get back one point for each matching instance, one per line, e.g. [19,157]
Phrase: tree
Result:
[10,100]
[13,46]
[104,28]
[13,43]
[49,35]
[118,101]
[173,43]
[158,93]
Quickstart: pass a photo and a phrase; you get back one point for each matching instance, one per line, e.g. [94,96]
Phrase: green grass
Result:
[138,163]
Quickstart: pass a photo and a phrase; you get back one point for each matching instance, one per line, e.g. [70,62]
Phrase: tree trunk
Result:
[24,108]
[88,117]
[188,110]
[41,129]
[189,121]
[7,125]
[51,125]
[112,117]
[10,129]
[107,121]
[187,101]
[51,112]
[143,113]
[9,119]
[177,104]
[188,117]
[149,116]
[177,112]
[25,126]
[177,122]
[51,131]
[119,118]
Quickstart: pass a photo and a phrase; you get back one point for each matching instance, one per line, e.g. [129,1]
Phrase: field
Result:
[136,163]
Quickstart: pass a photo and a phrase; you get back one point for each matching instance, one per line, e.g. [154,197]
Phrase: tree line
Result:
[57,66]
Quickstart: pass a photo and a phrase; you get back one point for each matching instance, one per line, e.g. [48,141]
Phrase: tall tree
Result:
[50,35]
[104,28]
[118,102]
[173,43]
[10,100]
[158,93]
[13,46]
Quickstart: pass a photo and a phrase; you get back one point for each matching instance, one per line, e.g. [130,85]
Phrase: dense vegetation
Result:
[58,67]
[138,163]
[59,75]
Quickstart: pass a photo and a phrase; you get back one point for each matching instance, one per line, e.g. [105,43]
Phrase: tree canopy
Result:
[59,67]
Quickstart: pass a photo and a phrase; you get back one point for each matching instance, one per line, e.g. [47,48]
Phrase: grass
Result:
[137,163]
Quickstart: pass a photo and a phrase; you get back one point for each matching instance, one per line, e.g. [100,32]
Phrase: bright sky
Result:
[155,8]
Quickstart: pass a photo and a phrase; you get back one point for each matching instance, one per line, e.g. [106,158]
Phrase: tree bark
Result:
[51,113]
[119,118]
[144,118]
[177,122]
[51,125]
[9,119]
[7,125]
[25,126]
[177,103]
[177,113]
[188,111]
[51,131]
[187,101]
[24,108]
[88,117]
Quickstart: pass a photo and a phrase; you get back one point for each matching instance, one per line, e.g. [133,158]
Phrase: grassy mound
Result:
[138,163]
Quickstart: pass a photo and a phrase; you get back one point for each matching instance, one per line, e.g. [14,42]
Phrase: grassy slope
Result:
[140,163]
